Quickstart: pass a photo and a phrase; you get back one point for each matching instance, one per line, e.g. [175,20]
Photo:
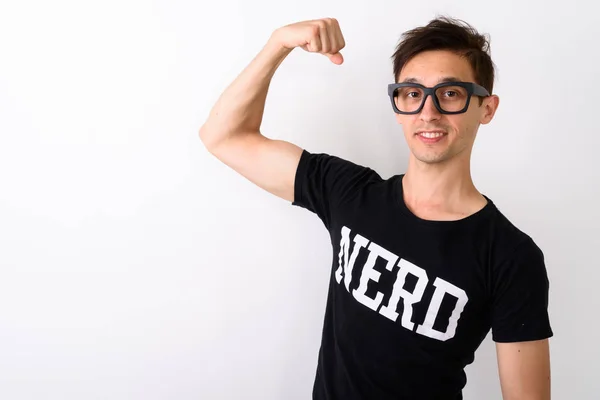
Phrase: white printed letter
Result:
[408,298]
[441,288]
[368,273]
[345,265]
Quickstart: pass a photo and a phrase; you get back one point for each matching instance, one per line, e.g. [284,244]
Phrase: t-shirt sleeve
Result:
[323,182]
[520,298]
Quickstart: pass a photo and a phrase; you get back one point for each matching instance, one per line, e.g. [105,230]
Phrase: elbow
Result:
[207,138]
[203,135]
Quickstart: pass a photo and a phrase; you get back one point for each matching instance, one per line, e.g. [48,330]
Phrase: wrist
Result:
[276,48]
[277,44]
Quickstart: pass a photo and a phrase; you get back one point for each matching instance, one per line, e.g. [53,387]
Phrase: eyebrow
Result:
[442,80]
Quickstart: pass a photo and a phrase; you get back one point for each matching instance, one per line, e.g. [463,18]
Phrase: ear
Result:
[488,108]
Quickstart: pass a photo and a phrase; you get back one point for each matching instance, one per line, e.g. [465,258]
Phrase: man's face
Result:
[458,130]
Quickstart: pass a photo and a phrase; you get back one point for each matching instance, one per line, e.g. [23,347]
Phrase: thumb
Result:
[336,58]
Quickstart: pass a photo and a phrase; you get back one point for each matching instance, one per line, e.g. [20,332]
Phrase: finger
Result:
[325,39]
[314,45]
[339,35]
[336,58]
[332,33]
[337,41]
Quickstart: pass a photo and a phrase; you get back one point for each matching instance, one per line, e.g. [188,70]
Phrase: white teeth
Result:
[431,135]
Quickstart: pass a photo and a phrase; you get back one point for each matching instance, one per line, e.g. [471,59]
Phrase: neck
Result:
[442,190]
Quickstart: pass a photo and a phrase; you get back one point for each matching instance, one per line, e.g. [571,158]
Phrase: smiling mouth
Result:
[431,134]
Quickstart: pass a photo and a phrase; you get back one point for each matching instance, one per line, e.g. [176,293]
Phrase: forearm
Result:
[240,107]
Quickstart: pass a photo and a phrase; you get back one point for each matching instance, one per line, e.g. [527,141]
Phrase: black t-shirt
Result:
[410,300]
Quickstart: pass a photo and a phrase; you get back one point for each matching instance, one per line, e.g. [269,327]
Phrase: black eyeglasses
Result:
[448,97]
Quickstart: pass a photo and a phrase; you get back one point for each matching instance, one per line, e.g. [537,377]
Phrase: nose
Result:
[429,111]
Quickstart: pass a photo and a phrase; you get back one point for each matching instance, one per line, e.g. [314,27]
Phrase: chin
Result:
[430,161]
[430,158]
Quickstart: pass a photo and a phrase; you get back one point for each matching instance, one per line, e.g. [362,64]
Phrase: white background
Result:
[134,265]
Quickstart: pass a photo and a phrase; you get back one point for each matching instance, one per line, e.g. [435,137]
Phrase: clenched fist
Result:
[317,36]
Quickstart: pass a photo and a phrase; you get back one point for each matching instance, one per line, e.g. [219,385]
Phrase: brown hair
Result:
[445,33]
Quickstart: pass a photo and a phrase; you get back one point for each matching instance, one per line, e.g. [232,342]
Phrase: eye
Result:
[410,93]
[451,92]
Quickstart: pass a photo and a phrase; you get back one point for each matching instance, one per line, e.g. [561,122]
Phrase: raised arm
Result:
[232,130]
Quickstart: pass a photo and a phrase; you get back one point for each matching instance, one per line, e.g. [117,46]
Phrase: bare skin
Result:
[438,184]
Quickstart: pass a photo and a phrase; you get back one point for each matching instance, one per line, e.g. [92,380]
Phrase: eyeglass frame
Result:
[472,89]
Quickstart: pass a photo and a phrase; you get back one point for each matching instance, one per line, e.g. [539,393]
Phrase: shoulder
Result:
[329,161]
[334,170]
[324,182]
[510,245]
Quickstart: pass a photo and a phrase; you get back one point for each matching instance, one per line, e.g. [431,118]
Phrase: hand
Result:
[316,36]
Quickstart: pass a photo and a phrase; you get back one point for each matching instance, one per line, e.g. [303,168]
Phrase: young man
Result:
[424,265]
